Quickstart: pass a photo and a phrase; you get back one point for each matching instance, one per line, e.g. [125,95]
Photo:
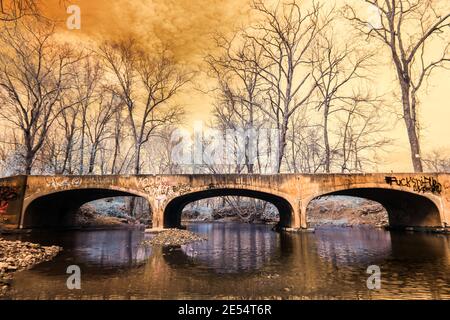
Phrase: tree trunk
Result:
[414,145]
[67,156]
[249,161]
[29,155]
[69,162]
[28,162]
[83,126]
[282,144]
[137,169]
[137,160]
[411,127]
[92,159]
[116,154]
[325,138]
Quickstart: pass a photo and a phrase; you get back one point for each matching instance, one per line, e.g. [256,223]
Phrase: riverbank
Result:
[88,217]
[339,211]
[17,255]
[247,214]
[343,211]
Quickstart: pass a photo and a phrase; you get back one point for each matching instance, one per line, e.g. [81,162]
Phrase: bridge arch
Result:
[404,208]
[50,209]
[174,207]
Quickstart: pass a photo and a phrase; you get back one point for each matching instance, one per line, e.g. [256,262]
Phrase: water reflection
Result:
[361,246]
[231,248]
[242,261]
[99,249]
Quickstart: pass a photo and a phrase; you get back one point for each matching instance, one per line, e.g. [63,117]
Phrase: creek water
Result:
[241,261]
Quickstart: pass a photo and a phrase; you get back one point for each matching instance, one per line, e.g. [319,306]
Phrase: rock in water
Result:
[174,237]
[18,255]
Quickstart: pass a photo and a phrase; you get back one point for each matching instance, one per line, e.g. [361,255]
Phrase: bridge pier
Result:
[157,216]
[298,216]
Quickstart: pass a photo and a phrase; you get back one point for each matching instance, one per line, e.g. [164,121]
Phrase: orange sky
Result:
[186,26]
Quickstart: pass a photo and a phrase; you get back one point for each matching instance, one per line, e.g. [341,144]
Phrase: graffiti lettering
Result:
[61,183]
[159,188]
[422,184]
[7,194]
[97,180]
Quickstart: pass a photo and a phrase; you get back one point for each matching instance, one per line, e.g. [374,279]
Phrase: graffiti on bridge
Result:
[7,194]
[161,189]
[422,184]
[62,182]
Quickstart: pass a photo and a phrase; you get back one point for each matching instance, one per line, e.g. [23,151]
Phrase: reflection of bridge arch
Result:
[51,209]
[404,208]
[231,248]
[173,210]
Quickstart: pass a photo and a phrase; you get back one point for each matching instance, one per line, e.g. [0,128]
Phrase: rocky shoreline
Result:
[88,217]
[17,255]
[342,211]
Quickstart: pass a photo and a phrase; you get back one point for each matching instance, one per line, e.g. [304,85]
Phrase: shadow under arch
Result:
[405,209]
[52,209]
[173,210]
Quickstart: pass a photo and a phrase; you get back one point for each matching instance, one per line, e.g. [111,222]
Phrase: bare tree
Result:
[13,10]
[305,152]
[407,29]
[438,160]
[337,68]
[158,152]
[34,74]
[87,76]
[360,133]
[119,137]
[67,123]
[146,84]
[285,34]
[98,127]
[57,152]
[236,71]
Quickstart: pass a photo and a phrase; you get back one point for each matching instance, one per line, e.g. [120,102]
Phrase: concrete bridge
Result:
[412,200]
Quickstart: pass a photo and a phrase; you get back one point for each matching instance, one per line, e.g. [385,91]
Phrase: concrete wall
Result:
[12,192]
